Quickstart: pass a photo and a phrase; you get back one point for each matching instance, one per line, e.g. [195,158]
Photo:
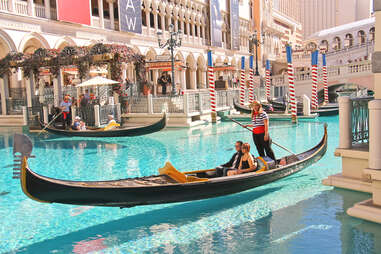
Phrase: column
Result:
[31,11]
[203,32]
[188,31]
[111,10]
[155,76]
[4,93]
[192,78]
[162,22]
[29,90]
[203,78]
[57,89]
[155,21]
[148,20]
[11,5]
[182,80]
[47,9]
[193,31]
[176,24]
[100,12]
[198,33]
[345,122]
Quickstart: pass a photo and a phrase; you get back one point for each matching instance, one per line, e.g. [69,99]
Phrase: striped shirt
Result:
[259,122]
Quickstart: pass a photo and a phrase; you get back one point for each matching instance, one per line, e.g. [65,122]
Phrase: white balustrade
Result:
[4,5]
[21,7]
[40,10]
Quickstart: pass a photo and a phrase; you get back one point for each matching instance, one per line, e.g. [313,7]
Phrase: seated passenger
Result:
[76,124]
[112,124]
[82,126]
[233,163]
[247,164]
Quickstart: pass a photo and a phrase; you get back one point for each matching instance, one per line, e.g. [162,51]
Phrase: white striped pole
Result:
[314,63]
[291,85]
[325,79]
[242,83]
[212,90]
[268,81]
[251,80]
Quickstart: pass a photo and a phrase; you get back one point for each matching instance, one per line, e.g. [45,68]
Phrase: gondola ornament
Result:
[22,150]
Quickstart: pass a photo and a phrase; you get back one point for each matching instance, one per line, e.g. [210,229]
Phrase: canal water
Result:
[294,215]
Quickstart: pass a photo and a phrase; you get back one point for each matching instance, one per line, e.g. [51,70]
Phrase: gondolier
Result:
[66,116]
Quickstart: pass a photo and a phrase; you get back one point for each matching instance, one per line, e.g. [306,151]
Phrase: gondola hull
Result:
[326,111]
[156,189]
[120,132]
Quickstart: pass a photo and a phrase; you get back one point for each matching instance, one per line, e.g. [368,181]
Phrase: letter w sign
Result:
[130,16]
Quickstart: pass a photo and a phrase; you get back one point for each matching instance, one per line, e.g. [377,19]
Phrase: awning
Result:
[98,81]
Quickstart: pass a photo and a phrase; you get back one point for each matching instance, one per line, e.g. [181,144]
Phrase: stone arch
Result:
[336,43]
[190,73]
[150,54]
[361,37]
[201,72]
[349,40]
[31,42]
[324,45]
[64,42]
[6,44]
[372,32]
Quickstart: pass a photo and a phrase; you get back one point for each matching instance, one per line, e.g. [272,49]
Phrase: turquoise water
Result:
[295,215]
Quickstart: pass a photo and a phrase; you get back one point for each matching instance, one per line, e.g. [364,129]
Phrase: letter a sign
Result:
[130,16]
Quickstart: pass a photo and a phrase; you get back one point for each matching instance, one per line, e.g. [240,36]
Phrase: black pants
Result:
[164,89]
[222,171]
[262,146]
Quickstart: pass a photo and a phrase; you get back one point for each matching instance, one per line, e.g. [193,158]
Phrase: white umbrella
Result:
[98,81]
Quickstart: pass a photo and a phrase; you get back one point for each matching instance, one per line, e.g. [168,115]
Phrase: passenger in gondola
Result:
[82,126]
[112,124]
[247,164]
[76,124]
[260,126]
[233,163]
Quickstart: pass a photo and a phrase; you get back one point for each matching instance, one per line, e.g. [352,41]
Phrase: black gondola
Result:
[168,187]
[118,132]
[326,111]
[247,110]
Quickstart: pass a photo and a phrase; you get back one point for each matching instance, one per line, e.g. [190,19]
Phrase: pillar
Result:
[188,31]
[4,93]
[155,77]
[31,11]
[47,9]
[203,78]
[198,33]
[203,32]
[45,111]
[193,31]
[182,80]
[192,78]
[11,5]
[162,22]
[97,116]
[57,88]
[29,90]
[148,20]
[345,122]
[111,10]
[150,104]
[176,24]
[155,21]
[100,12]
[41,86]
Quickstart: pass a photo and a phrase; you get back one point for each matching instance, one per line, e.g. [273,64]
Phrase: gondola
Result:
[118,132]
[247,110]
[168,187]
[326,111]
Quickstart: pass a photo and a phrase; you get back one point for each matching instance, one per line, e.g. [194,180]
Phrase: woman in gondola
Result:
[260,127]
[247,163]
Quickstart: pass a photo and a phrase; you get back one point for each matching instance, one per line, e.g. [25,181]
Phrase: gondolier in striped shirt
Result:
[260,127]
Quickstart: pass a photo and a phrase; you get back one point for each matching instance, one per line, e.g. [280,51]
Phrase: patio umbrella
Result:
[98,81]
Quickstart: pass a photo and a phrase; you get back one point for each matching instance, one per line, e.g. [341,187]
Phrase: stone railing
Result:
[21,7]
[333,72]
[354,121]
[40,11]
[4,5]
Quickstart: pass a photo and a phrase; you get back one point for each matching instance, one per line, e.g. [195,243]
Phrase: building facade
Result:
[28,25]
[317,15]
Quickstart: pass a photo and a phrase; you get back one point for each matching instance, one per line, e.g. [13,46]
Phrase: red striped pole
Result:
[242,82]
[314,101]
[314,70]
[291,85]
[325,79]
[212,90]
[251,80]
[268,81]
[251,85]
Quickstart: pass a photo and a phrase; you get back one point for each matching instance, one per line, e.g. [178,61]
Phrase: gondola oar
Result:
[275,143]
[46,126]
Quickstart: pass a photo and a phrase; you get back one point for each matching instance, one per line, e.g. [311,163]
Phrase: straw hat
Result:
[255,103]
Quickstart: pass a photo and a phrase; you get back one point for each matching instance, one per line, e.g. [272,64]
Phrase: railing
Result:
[14,106]
[87,114]
[40,11]
[106,110]
[138,104]
[21,7]
[357,46]
[170,104]
[360,120]
[193,103]
[4,5]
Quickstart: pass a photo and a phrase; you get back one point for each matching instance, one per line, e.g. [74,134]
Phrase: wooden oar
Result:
[275,143]
[46,126]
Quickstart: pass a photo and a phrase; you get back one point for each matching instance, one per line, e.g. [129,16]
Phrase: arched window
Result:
[372,34]
[348,40]
[336,43]
[362,37]
[324,45]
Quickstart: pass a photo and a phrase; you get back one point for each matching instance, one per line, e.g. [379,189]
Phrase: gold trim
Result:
[24,166]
